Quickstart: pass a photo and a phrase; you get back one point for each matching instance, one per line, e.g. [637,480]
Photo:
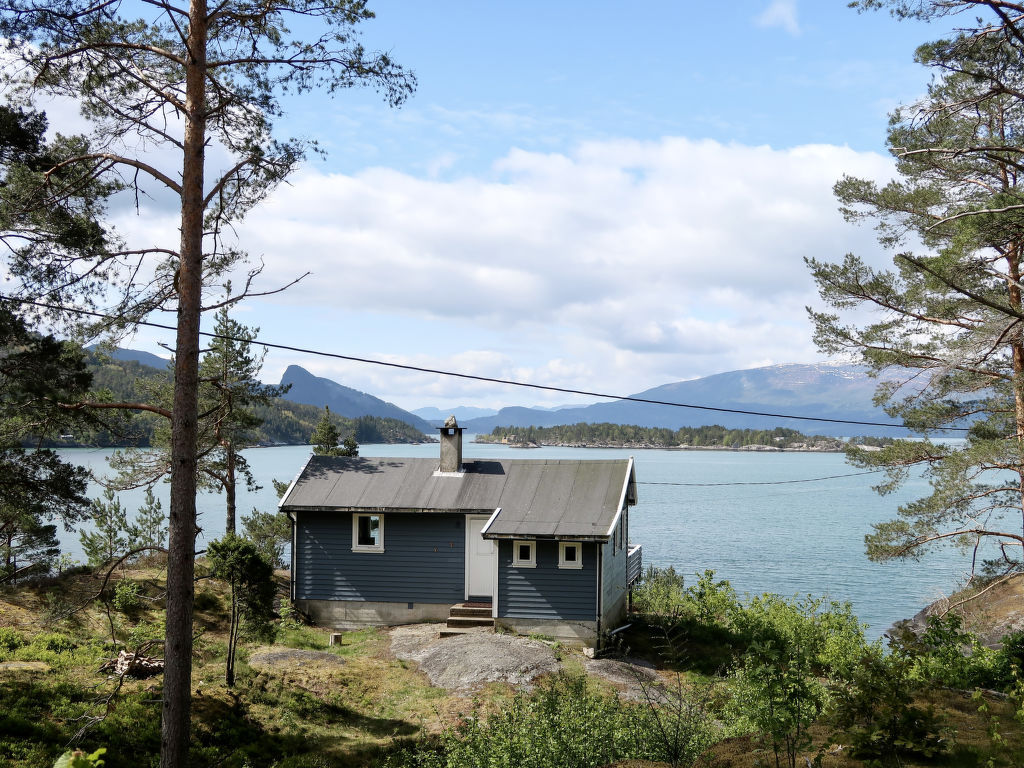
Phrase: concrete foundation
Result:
[576,633]
[353,614]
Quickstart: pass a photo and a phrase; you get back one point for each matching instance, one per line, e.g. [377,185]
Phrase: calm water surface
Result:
[805,538]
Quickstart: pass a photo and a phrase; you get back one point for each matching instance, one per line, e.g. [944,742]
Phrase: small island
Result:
[707,438]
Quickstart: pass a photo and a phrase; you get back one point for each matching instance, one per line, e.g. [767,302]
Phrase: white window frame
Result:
[517,562]
[356,546]
[563,563]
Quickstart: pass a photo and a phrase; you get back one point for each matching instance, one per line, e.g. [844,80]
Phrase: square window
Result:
[570,554]
[524,554]
[367,533]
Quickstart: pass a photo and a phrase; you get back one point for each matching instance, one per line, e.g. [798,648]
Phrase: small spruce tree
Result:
[107,540]
[325,439]
[251,579]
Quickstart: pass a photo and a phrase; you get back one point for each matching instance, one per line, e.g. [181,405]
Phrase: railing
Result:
[634,564]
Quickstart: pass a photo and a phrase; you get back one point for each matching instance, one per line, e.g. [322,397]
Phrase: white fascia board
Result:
[490,520]
[294,481]
[622,497]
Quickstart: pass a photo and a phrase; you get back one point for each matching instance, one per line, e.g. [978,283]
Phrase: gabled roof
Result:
[542,498]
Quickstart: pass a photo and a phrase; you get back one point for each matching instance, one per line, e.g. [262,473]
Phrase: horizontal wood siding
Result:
[424,559]
[547,591]
[613,578]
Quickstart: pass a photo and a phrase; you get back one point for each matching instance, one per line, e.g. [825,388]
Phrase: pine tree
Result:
[149,528]
[28,547]
[108,538]
[183,79]
[949,321]
[270,533]
[325,439]
[229,394]
[251,579]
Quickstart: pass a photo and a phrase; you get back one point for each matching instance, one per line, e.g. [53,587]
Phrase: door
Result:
[480,560]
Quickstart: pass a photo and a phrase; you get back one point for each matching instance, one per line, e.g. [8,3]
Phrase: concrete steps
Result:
[463,617]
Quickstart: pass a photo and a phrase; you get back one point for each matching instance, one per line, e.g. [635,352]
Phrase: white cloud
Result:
[780,13]
[619,266]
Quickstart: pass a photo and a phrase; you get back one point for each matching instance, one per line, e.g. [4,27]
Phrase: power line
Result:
[767,482]
[474,377]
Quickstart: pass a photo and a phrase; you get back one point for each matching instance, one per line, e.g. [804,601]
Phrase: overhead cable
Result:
[768,482]
[475,377]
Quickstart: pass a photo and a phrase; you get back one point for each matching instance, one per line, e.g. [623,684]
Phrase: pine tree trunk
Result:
[1013,261]
[229,487]
[177,691]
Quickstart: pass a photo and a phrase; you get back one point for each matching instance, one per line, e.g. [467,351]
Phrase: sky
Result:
[583,194]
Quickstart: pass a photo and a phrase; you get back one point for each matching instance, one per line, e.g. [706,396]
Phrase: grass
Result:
[293,716]
[309,715]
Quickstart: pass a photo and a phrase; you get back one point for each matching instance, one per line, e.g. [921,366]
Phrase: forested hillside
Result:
[714,436]
[285,422]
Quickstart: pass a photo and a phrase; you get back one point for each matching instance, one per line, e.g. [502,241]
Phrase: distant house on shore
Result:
[535,546]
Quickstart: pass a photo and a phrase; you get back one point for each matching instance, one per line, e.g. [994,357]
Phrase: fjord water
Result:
[790,538]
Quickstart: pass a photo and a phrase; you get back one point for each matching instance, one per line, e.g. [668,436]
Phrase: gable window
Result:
[367,533]
[524,554]
[570,554]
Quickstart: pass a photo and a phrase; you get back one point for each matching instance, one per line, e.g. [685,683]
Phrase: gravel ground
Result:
[464,662]
[24,666]
[630,676]
[276,660]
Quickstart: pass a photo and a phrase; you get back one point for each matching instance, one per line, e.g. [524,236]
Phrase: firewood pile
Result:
[137,664]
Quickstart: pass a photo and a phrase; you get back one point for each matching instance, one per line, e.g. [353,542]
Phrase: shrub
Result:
[564,723]
[875,709]
[777,693]
[711,602]
[946,654]
[1007,662]
[79,759]
[54,642]
[660,592]
[126,596]
[145,631]
[10,639]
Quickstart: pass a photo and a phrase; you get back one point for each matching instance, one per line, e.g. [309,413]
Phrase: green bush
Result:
[10,639]
[126,596]
[827,635]
[1007,662]
[660,592]
[145,631]
[946,654]
[564,723]
[777,691]
[875,709]
[711,602]
[79,759]
[54,642]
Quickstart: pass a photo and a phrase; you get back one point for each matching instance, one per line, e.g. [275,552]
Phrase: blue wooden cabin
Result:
[543,543]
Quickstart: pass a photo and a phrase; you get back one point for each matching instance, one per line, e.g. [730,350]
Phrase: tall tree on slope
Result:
[229,390]
[950,317]
[182,77]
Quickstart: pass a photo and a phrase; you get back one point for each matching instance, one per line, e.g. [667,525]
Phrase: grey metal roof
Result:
[537,498]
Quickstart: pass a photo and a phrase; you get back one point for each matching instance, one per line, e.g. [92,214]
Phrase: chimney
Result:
[451,446]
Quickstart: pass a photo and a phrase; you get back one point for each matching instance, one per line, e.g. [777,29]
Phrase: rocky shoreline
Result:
[651,446]
[990,612]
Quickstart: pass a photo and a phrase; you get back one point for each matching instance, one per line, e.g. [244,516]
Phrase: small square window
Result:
[367,533]
[524,554]
[570,554]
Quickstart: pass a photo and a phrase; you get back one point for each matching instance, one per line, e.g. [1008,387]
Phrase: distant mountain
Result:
[285,421]
[831,391]
[436,416]
[344,401]
[136,356]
